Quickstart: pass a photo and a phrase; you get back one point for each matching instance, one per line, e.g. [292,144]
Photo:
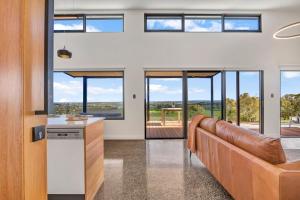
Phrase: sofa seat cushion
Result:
[266,148]
[209,124]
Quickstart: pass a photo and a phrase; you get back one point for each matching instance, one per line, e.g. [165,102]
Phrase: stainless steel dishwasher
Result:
[65,161]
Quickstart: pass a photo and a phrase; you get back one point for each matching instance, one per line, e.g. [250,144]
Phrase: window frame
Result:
[237,16]
[85,87]
[108,17]
[181,16]
[222,17]
[85,16]
[238,93]
[70,31]
[282,70]
[203,17]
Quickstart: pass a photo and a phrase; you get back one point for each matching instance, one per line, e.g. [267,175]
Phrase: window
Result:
[163,23]
[217,103]
[105,97]
[104,23]
[231,97]
[202,23]
[244,99]
[196,23]
[94,93]
[68,23]
[89,23]
[242,23]
[290,104]
[67,94]
[249,100]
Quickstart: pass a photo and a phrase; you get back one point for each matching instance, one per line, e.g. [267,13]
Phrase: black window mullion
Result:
[223,23]
[238,97]
[183,23]
[84,23]
[212,97]
[223,95]
[185,103]
[261,102]
[84,105]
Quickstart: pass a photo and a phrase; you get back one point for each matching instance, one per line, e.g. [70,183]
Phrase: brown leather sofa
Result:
[248,165]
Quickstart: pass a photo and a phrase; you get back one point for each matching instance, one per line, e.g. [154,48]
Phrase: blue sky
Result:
[191,25]
[103,25]
[166,89]
[68,89]
[202,25]
[290,82]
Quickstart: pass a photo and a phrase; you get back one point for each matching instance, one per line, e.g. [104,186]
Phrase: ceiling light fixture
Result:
[285,37]
[64,53]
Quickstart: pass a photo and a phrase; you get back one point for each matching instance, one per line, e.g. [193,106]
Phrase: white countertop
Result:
[61,122]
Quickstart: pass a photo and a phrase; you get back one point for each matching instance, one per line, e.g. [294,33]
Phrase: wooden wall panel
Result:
[11,98]
[35,153]
[34,43]
[94,159]
[22,163]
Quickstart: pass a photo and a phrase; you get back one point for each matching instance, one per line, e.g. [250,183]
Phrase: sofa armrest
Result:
[295,166]
[289,184]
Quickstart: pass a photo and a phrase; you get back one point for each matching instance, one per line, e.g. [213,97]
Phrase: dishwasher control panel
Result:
[64,133]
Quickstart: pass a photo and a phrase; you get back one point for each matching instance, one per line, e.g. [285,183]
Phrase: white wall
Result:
[135,50]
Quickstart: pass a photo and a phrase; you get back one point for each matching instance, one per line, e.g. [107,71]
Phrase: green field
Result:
[194,108]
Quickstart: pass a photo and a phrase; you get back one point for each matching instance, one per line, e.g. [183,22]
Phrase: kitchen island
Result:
[75,157]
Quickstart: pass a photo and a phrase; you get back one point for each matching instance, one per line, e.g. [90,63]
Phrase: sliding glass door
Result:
[249,100]
[173,98]
[244,99]
[290,104]
[231,97]
[204,94]
[199,96]
[164,105]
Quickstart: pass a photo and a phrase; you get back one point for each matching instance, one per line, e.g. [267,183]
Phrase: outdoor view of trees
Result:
[290,106]
[249,109]
[104,95]
[105,108]
[249,112]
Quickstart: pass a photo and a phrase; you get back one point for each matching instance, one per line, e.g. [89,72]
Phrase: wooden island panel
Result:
[94,159]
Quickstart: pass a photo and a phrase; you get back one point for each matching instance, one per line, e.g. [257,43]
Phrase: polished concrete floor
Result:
[156,170]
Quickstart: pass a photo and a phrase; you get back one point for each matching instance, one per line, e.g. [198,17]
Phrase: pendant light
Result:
[64,53]
[288,27]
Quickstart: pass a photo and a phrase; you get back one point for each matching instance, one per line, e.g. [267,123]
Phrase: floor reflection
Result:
[155,170]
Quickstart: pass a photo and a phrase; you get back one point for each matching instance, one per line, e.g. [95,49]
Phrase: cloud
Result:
[195,90]
[202,26]
[92,29]
[89,28]
[250,73]
[159,23]
[290,75]
[163,89]
[104,91]
[70,87]
[233,26]
[63,100]
[157,88]
[72,91]
[169,79]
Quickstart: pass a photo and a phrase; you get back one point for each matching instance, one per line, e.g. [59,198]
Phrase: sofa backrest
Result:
[266,148]
[209,124]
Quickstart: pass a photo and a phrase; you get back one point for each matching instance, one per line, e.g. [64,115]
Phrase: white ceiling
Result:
[177,4]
